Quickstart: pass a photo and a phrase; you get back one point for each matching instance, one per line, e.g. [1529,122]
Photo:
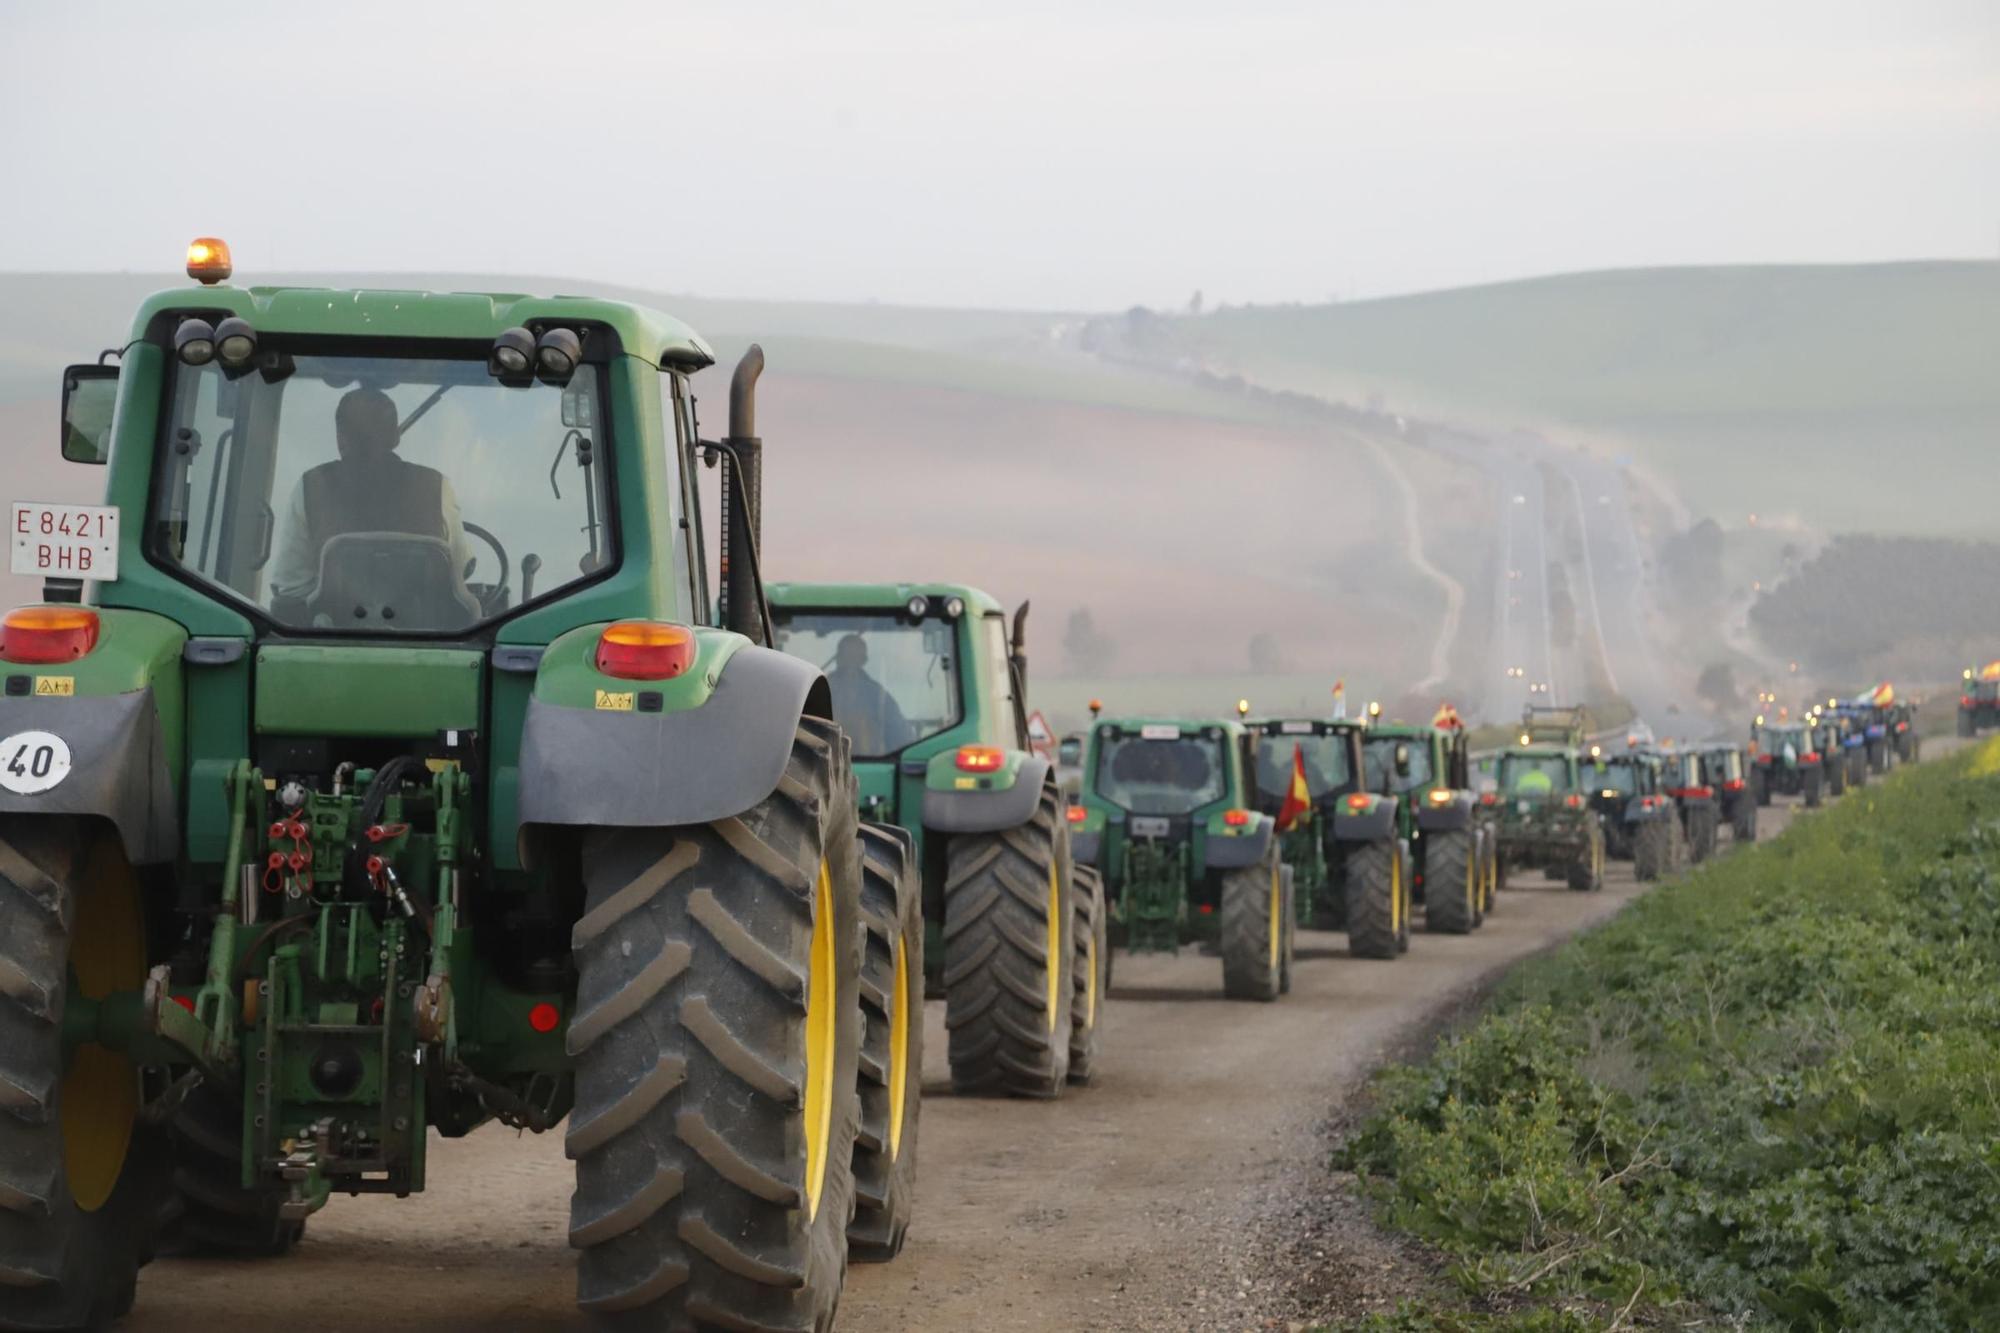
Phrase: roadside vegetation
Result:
[1762,1097]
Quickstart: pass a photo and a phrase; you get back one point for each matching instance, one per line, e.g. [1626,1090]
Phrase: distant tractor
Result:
[1736,783]
[1168,814]
[1695,797]
[1788,756]
[1428,769]
[1351,870]
[930,684]
[1628,790]
[1979,700]
[1540,818]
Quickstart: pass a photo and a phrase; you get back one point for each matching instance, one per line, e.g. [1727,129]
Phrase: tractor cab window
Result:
[1529,774]
[1327,767]
[1727,764]
[385,495]
[1160,776]
[1620,776]
[894,680]
[1069,750]
[1385,775]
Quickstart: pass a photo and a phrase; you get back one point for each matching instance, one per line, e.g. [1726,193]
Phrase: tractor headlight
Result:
[513,353]
[557,353]
[194,342]
[235,342]
[917,606]
[954,607]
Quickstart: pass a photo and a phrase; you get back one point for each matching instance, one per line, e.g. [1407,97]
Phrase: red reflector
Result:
[185,1001]
[1236,818]
[1809,757]
[1574,802]
[1700,792]
[544,1017]
[37,635]
[645,650]
[1358,801]
[1489,798]
[1206,909]
[1734,784]
[1077,814]
[981,758]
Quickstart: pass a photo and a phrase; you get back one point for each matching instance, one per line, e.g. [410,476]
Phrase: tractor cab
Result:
[1979,699]
[1428,770]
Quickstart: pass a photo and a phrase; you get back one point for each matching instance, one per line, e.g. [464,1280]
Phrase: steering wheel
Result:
[499,553]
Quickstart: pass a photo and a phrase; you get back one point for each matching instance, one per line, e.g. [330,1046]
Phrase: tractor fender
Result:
[1373,824]
[1446,818]
[1241,849]
[1084,848]
[988,810]
[1637,812]
[117,767]
[622,769]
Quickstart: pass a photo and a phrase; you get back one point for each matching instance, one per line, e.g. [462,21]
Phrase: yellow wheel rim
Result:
[899,1048]
[1055,968]
[100,1089]
[821,1034]
[1471,883]
[1396,893]
[1090,985]
[1277,926]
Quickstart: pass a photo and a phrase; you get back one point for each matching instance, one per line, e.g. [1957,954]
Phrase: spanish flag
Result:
[1340,698]
[1446,718]
[1298,800]
[1885,694]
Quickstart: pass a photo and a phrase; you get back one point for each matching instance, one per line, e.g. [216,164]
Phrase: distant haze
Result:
[1047,155]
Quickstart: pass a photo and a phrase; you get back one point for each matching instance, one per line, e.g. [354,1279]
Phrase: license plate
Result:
[1296,728]
[1150,826]
[1160,731]
[64,541]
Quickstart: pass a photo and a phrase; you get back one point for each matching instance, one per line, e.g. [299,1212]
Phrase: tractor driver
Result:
[866,712]
[367,489]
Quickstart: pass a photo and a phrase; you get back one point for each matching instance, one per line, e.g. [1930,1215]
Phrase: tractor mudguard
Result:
[1231,850]
[1446,818]
[963,806]
[622,767]
[1085,847]
[117,766]
[1373,824]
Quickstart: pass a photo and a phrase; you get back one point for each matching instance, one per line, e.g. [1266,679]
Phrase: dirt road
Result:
[1144,1201]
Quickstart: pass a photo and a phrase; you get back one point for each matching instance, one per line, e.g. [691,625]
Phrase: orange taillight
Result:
[981,758]
[1440,796]
[544,1017]
[1574,802]
[37,635]
[1236,818]
[1077,814]
[645,650]
[1358,801]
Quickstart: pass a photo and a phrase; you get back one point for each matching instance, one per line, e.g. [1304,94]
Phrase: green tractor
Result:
[1979,700]
[929,682]
[1693,790]
[1454,858]
[1537,814]
[1788,755]
[1736,782]
[1350,868]
[1168,815]
[1629,792]
[404,772]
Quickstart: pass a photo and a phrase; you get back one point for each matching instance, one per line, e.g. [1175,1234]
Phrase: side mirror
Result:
[89,394]
[1402,761]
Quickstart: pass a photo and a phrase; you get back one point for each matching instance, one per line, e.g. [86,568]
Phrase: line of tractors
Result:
[408,743]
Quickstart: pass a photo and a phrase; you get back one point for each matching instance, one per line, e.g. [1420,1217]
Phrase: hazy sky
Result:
[1081,155]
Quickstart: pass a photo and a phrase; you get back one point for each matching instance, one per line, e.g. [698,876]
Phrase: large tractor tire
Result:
[1811,785]
[1091,974]
[1489,873]
[1009,916]
[1377,900]
[1653,849]
[1253,930]
[716,1040]
[1404,921]
[1967,727]
[1836,778]
[1878,754]
[1744,827]
[211,1213]
[1289,949]
[82,1180]
[1760,786]
[892,1046]
[1702,823]
[1451,883]
[1857,772]
[1586,872]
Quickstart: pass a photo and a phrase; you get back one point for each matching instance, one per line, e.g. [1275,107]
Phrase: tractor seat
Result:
[389,581]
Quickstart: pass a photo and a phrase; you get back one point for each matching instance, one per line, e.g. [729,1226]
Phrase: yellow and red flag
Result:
[1446,718]
[1885,694]
[1298,798]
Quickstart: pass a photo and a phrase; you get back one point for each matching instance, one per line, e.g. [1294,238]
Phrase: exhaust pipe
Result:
[743,608]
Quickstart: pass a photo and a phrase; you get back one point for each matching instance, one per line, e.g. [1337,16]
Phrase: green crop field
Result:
[1762,1096]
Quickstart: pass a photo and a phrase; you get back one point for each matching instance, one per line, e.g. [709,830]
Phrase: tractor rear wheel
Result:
[1451,883]
[716,1040]
[1857,772]
[82,1181]
[1408,862]
[1744,826]
[1811,785]
[1289,947]
[1092,974]
[1701,833]
[1489,872]
[1008,918]
[1652,850]
[1375,900]
[1586,872]
[1967,726]
[212,1214]
[892,1045]
[1253,930]
[1878,755]
[1836,778]
[1760,786]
